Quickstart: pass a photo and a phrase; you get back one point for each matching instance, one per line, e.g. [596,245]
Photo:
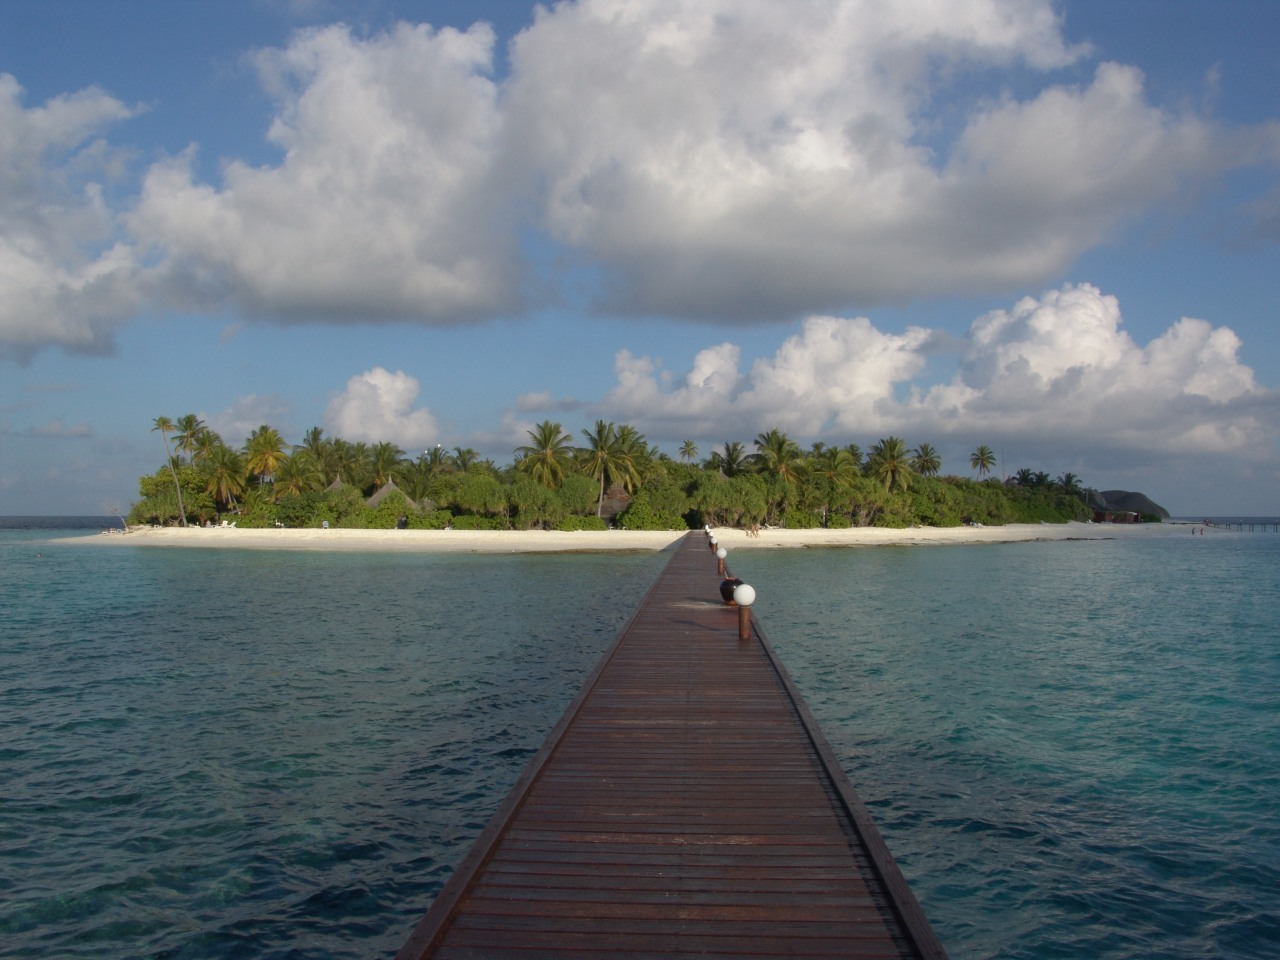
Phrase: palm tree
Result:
[463,458]
[298,473]
[205,442]
[226,473]
[730,461]
[436,461]
[925,461]
[982,460]
[1025,478]
[640,452]
[855,451]
[891,464]
[343,461]
[1069,483]
[836,470]
[779,455]
[383,459]
[548,454]
[610,457]
[165,426]
[688,451]
[189,428]
[264,452]
[313,442]
[835,465]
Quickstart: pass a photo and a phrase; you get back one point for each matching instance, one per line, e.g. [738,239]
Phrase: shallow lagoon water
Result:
[1072,748]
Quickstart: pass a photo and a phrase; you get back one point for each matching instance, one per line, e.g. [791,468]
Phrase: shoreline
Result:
[582,541]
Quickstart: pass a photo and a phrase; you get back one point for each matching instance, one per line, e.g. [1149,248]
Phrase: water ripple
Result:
[1072,749]
[250,755]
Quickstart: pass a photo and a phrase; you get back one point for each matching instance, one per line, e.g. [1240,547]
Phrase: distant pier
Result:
[1272,525]
[686,805]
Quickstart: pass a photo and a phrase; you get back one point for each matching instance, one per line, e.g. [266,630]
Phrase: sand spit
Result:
[551,541]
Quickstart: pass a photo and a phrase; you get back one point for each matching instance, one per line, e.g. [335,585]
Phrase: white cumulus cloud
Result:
[731,160]
[1059,365]
[237,422]
[378,406]
[697,404]
[739,159]
[66,277]
[388,203]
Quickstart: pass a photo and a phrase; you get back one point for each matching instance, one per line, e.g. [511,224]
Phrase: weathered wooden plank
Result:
[685,805]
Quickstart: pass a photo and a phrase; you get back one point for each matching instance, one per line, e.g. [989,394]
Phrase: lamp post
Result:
[744,595]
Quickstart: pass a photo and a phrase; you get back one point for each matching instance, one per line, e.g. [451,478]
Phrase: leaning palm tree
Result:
[982,460]
[189,428]
[547,456]
[925,461]
[891,464]
[164,426]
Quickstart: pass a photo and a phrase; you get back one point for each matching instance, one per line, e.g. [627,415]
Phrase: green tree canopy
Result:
[547,456]
[890,463]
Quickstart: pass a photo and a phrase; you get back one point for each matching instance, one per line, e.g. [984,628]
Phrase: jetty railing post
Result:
[721,553]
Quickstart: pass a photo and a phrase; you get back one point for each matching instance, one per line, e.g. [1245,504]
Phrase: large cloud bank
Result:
[1059,367]
[724,160]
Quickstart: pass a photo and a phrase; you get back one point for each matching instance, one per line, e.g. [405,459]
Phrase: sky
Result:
[1051,227]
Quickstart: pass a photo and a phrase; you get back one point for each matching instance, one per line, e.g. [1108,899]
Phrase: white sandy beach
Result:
[548,541]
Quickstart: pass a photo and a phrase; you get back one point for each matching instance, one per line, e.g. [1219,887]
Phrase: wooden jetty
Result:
[685,805]
[1273,525]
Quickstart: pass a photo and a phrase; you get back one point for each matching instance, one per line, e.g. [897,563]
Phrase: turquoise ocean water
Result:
[1072,748]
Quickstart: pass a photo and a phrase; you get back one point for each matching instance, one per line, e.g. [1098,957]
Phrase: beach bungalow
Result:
[385,491]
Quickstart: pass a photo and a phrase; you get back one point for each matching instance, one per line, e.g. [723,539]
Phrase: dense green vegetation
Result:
[555,483]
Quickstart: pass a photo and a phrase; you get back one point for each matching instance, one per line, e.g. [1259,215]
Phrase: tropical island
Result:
[614,478]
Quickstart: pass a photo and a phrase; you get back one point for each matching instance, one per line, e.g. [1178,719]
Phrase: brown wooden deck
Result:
[685,805]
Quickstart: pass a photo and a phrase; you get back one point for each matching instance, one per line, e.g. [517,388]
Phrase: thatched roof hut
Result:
[385,491]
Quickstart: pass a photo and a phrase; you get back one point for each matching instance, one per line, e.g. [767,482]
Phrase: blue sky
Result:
[1050,228]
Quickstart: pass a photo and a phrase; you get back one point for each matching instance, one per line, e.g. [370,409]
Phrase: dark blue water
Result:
[1072,748]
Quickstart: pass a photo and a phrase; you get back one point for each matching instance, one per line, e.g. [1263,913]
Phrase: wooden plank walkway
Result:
[685,805]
